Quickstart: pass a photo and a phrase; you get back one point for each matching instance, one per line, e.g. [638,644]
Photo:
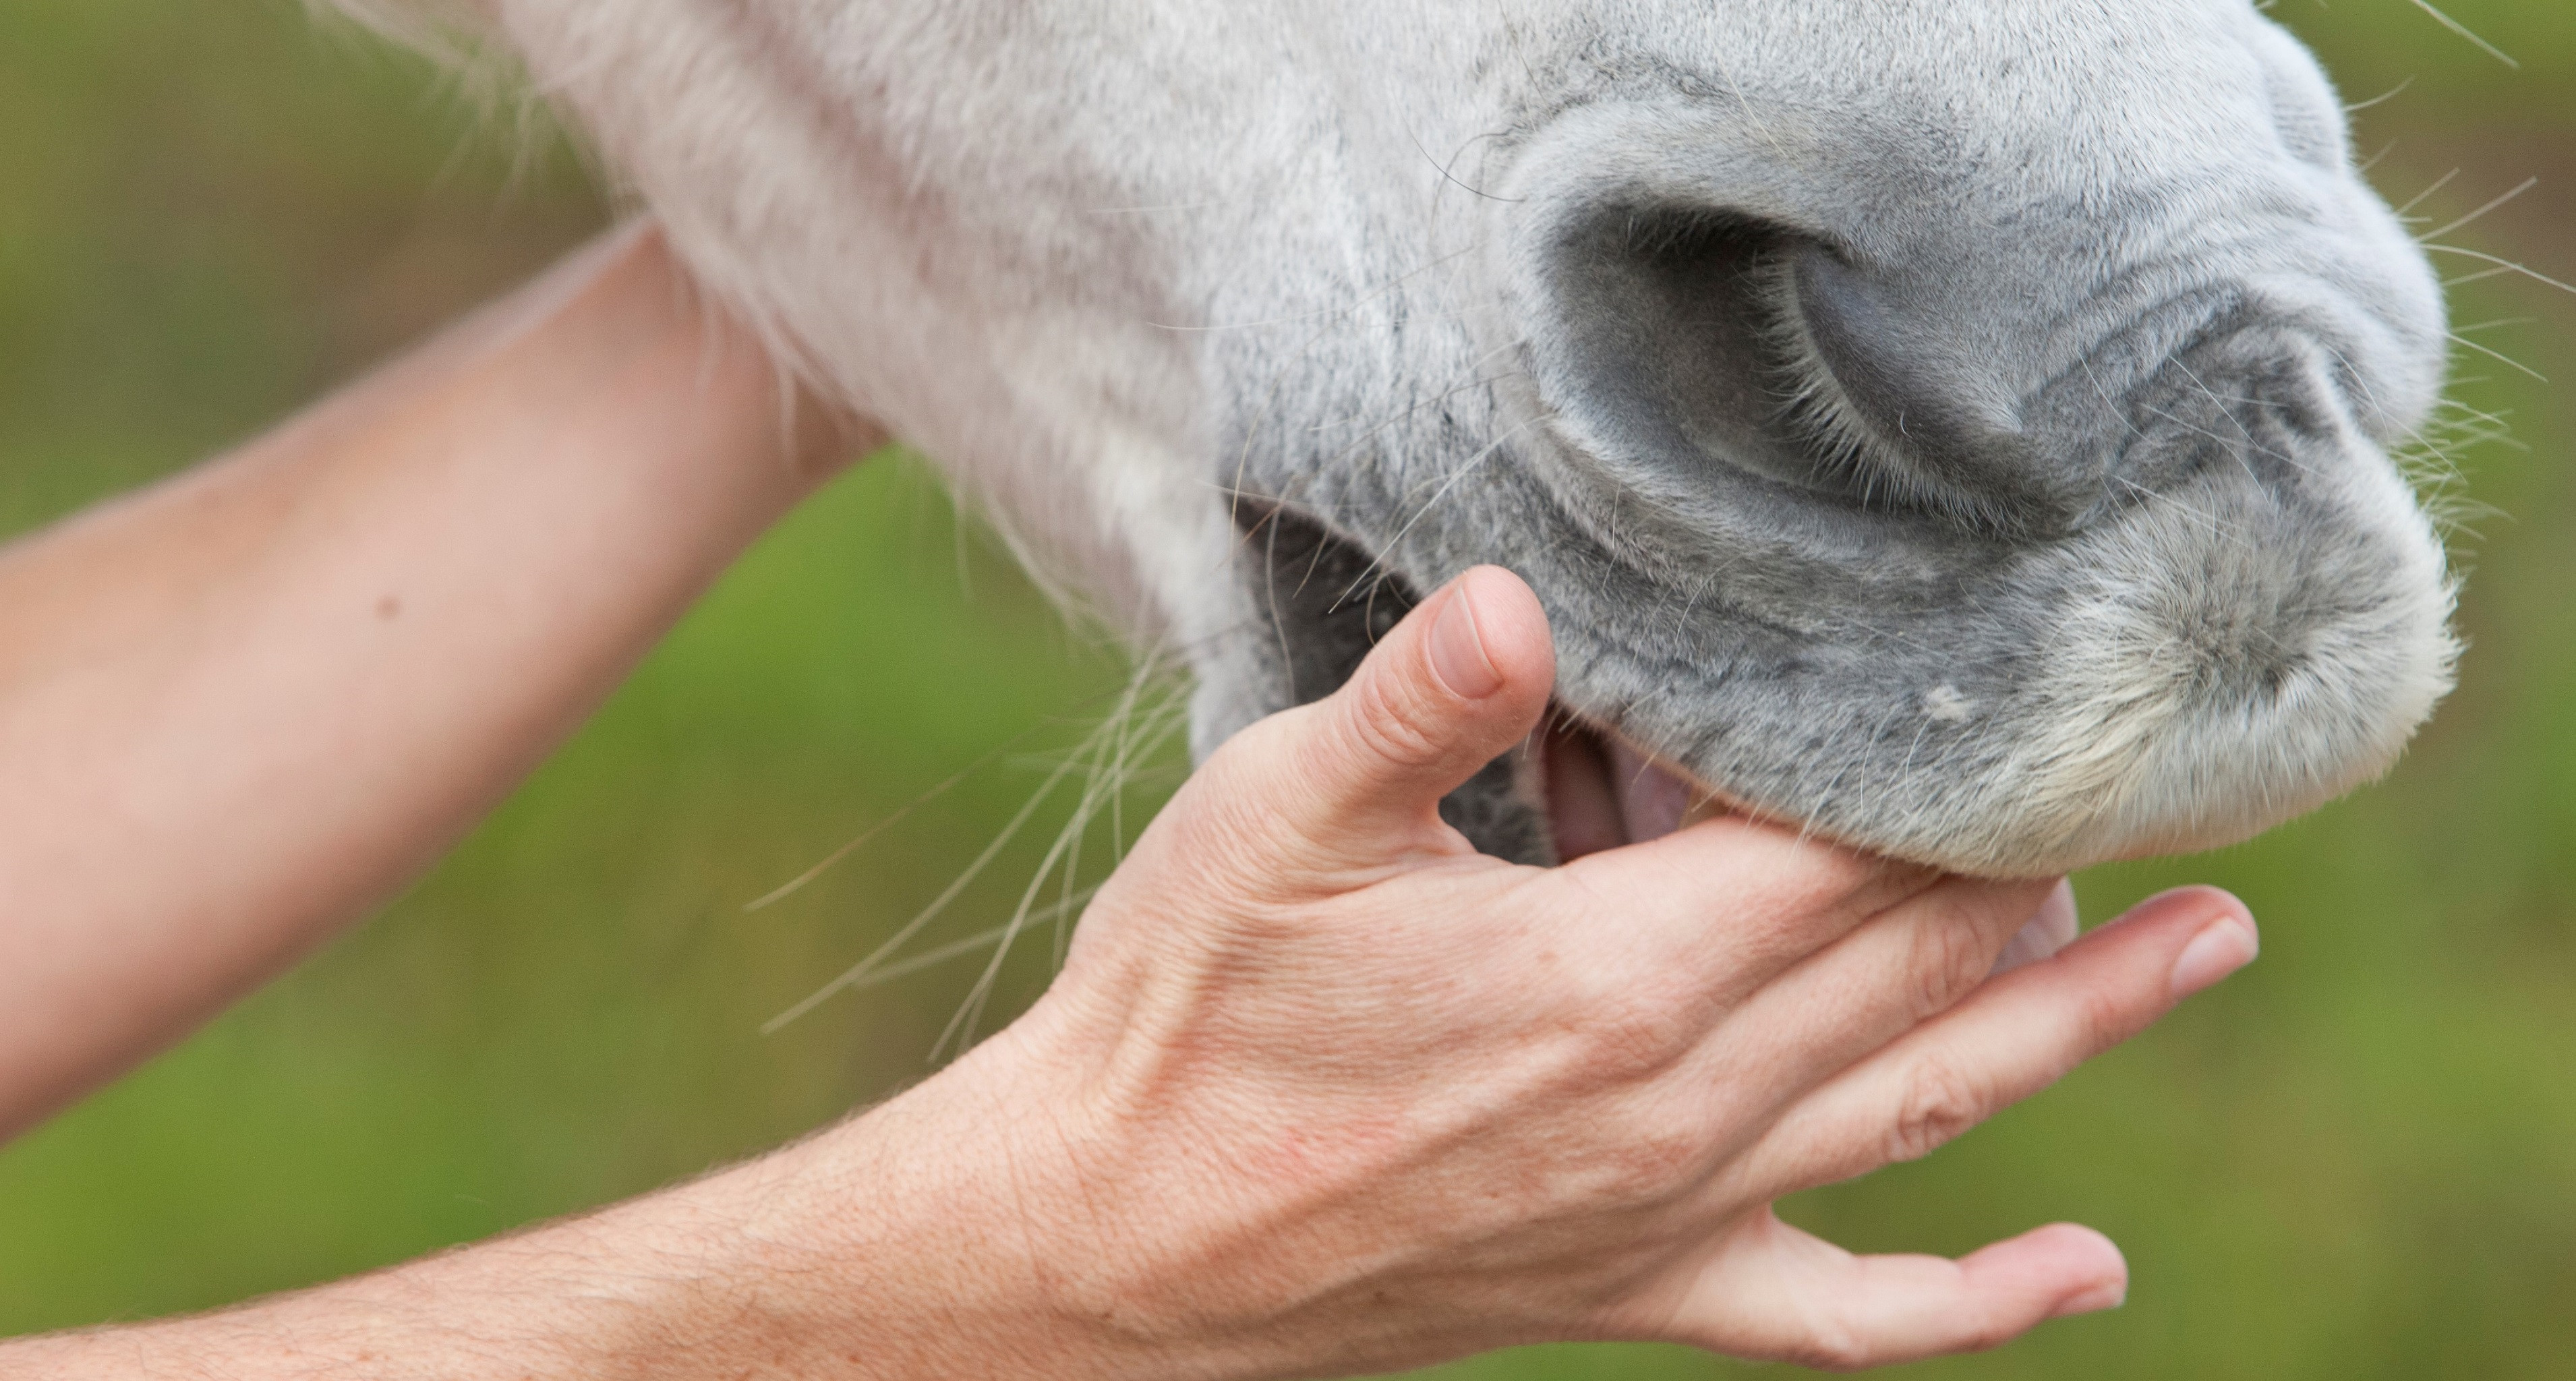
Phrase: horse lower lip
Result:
[1601,793]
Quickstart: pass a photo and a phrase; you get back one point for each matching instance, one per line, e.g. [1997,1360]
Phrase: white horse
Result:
[1963,427]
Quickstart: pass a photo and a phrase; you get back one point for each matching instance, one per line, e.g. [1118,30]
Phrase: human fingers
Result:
[1730,902]
[1777,1293]
[1459,682]
[2015,1037]
[1893,972]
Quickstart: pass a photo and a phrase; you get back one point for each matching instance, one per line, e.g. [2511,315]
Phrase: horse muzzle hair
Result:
[1964,430]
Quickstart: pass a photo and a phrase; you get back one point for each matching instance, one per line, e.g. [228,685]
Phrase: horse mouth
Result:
[1599,793]
[1572,789]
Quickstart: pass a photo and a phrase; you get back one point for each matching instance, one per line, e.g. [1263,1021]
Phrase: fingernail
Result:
[2108,1295]
[1458,650]
[2221,948]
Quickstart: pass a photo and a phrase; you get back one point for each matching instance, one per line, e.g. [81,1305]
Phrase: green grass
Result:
[2358,1159]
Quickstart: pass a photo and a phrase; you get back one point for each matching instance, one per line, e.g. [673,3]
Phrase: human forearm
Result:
[239,708]
[669,1286]
[896,1245]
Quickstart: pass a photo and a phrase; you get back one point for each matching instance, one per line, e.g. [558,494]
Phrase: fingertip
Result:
[2074,1244]
[2109,1286]
[2079,1270]
[1509,629]
[2221,936]
[1460,681]
[1456,649]
[2199,901]
[2219,948]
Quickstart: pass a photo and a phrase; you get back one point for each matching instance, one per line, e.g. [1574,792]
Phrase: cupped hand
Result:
[1327,1091]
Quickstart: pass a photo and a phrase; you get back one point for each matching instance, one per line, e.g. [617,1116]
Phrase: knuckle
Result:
[1949,957]
[1985,1333]
[2102,1020]
[1804,875]
[1841,873]
[1940,1102]
[1831,1344]
[1385,722]
[1272,808]
[1636,1027]
[1651,1168]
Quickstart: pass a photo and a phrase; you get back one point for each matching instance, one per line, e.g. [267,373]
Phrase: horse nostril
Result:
[1678,336]
[1890,377]
[1657,339]
[1672,338]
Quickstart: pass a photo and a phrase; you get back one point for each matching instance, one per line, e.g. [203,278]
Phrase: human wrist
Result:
[953,1232]
[1083,1225]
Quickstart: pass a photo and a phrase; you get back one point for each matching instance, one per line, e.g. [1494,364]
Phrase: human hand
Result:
[1322,1090]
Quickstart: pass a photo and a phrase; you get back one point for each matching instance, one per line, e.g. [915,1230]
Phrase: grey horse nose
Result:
[1903,383]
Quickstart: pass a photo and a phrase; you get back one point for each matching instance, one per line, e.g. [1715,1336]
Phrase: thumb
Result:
[1461,681]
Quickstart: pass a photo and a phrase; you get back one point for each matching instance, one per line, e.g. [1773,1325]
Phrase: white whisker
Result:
[2502,265]
[2471,218]
[2464,31]
[2419,198]
[2498,356]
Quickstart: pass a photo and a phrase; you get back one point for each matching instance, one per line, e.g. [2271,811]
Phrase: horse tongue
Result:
[1653,801]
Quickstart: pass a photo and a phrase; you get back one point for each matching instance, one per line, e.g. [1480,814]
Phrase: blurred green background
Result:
[2358,1159]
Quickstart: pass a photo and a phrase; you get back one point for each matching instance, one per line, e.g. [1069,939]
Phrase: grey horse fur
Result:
[1960,426]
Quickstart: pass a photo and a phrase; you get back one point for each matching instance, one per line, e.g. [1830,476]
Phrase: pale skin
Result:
[1319,1091]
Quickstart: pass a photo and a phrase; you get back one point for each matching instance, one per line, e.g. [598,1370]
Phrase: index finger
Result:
[1732,901]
